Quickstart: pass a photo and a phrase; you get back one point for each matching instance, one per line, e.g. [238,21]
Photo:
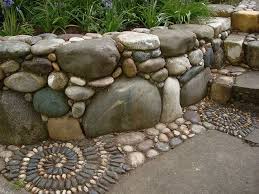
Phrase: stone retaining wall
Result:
[69,86]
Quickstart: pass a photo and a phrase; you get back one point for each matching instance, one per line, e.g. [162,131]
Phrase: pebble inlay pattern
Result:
[67,168]
[227,119]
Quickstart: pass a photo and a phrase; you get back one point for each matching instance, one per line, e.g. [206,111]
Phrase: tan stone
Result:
[64,129]
[245,21]
[129,68]
[221,89]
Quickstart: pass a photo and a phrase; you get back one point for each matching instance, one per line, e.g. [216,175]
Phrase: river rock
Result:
[208,57]
[20,124]
[162,147]
[100,83]
[171,101]
[160,75]
[190,74]
[192,116]
[64,129]
[218,58]
[141,56]
[10,66]
[138,41]
[57,80]
[78,109]
[13,49]
[90,59]
[79,93]
[195,57]
[50,102]
[129,68]
[44,47]
[152,153]
[24,82]
[38,65]
[177,65]
[195,89]
[77,81]
[151,65]
[145,145]
[175,142]
[197,128]
[183,41]
[132,138]
[123,106]
[136,159]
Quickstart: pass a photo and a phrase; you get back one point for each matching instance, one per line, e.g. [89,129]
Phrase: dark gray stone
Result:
[50,102]
[175,42]
[140,56]
[91,59]
[13,49]
[192,116]
[196,89]
[38,65]
[19,123]
[208,57]
[252,56]
[123,106]
[190,74]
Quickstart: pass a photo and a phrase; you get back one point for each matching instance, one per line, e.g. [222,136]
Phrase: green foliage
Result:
[93,16]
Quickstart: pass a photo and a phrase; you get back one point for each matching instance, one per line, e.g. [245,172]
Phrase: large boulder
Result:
[19,123]
[171,101]
[89,58]
[124,106]
[195,89]
[50,102]
[201,31]
[13,49]
[175,42]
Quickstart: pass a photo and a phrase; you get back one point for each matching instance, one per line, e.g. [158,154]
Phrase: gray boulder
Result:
[253,54]
[89,58]
[175,42]
[124,106]
[19,123]
[195,89]
[13,49]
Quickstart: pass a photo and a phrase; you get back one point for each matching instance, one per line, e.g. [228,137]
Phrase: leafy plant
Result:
[18,184]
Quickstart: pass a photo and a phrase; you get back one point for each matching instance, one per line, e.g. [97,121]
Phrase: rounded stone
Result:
[152,153]
[145,145]
[129,68]
[136,159]
[77,81]
[197,129]
[160,75]
[78,109]
[175,142]
[14,49]
[177,65]
[180,121]
[123,108]
[163,138]
[44,47]
[128,148]
[195,57]
[100,83]
[25,82]
[152,132]
[38,65]
[78,93]
[132,138]
[151,65]
[52,57]
[50,102]
[173,126]
[141,56]
[192,116]
[117,72]
[161,146]
[10,66]
[57,80]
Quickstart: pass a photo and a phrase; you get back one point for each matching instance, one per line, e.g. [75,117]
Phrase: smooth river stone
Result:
[13,49]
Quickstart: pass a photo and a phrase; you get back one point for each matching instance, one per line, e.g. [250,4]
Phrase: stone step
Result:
[245,21]
[246,87]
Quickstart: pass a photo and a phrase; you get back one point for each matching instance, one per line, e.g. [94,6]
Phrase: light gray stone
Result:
[100,83]
[131,138]
[171,101]
[57,80]
[78,109]
[152,153]
[160,75]
[78,93]
[25,82]
[195,57]
[177,65]
[151,65]
[10,66]
[136,159]
[145,145]
[44,47]
[197,129]
[13,49]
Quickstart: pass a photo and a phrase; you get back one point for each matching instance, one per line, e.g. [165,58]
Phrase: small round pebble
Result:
[152,132]
[163,138]
[152,153]
[163,147]
[179,121]
[128,148]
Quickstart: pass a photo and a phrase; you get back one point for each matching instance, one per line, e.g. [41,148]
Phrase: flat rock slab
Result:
[211,163]
[248,80]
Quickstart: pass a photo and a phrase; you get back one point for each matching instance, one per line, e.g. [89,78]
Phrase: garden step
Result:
[246,87]
[245,21]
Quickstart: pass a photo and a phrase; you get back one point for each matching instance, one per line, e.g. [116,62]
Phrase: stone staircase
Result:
[239,79]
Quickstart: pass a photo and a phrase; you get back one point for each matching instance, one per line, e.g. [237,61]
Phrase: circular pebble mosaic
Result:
[227,119]
[67,167]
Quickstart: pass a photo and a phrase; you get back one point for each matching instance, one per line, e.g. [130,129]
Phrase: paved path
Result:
[213,163]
